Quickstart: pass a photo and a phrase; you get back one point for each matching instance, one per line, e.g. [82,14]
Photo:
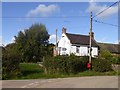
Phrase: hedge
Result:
[101,65]
[65,64]
[10,65]
[115,59]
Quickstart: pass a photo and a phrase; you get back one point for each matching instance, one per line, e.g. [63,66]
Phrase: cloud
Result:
[43,10]
[52,39]
[5,43]
[96,8]
[22,30]
[13,40]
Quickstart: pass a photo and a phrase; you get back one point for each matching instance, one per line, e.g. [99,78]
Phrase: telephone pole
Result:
[56,37]
[56,47]
[90,44]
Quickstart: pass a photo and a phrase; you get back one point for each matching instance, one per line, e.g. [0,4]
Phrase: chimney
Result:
[119,42]
[92,34]
[63,30]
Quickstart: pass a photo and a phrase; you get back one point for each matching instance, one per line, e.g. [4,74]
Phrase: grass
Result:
[34,71]
[93,73]
[31,70]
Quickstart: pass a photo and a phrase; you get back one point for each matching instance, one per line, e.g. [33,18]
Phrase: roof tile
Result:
[80,39]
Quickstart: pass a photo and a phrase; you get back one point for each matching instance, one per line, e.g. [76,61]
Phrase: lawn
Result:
[34,71]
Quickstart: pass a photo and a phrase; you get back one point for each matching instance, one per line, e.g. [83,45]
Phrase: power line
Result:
[106,9]
[106,23]
[50,17]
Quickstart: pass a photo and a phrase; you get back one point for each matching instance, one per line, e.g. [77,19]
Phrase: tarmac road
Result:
[73,82]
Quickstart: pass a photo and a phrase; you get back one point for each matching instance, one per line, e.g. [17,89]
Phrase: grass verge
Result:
[34,71]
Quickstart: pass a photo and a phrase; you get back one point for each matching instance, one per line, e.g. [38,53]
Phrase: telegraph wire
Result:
[106,23]
[50,17]
[106,9]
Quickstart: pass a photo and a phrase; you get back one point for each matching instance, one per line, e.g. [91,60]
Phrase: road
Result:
[74,82]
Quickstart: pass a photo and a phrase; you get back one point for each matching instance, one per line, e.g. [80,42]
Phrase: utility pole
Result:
[56,37]
[56,48]
[90,44]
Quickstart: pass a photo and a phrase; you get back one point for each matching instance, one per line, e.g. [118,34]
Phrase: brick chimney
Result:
[92,34]
[63,30]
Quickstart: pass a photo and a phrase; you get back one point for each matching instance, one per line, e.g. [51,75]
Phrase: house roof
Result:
[80,39]
[113,48]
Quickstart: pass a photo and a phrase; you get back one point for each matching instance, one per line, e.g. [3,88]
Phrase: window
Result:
[77,49]
[64,49]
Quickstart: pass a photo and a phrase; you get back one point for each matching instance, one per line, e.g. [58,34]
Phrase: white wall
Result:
[64,43]
[73,50]
[94,51]
[83,50]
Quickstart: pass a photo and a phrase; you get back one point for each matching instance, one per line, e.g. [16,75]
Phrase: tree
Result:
[105,54]
[10,61]
[50,48]
[32,43]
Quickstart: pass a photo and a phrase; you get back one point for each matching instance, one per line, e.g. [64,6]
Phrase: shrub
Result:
[115,59]
[10,64]
[105,55]
[118,60]
[65,64]
[101,65]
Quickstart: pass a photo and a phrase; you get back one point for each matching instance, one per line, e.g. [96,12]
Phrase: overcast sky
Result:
[21,15]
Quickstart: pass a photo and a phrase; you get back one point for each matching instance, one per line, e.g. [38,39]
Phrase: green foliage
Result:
[50,48]
[65,64]
[30,70]
[32,43]
[10,62]
[105,55]
[118,60]
[115,59]
[34,71]
[101,65]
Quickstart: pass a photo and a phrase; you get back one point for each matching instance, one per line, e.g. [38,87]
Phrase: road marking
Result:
[24,87]
[30,84]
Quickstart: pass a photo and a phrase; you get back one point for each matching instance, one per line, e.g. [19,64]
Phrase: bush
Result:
[105,55]
[101,65]
[118,60]
[115,59]
[10,64]
[65,64]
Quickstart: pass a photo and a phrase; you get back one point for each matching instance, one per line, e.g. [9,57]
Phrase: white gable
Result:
[67,48]
[64,43]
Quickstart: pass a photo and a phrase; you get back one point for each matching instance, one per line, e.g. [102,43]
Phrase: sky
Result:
[75,16]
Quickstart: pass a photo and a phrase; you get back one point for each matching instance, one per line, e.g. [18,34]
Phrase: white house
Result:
[76,44]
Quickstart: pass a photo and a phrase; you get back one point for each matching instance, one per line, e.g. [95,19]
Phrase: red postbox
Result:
[88,65]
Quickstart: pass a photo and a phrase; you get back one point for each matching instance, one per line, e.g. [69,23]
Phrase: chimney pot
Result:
[92,34]
[63,30]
